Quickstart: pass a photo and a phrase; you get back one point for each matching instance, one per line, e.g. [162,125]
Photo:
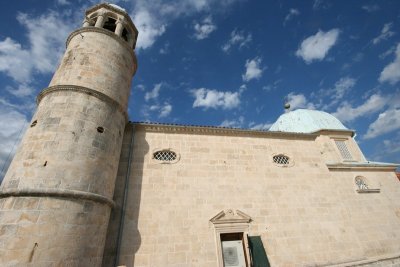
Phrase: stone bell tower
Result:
[56,197]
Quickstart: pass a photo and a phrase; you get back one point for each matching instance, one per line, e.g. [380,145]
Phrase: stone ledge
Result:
[368,190]
[61,193]
[85,90]
[361,166]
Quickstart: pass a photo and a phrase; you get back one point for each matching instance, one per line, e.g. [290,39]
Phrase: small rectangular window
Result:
[344,151]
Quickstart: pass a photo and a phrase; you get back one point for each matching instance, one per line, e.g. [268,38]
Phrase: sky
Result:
[231,63]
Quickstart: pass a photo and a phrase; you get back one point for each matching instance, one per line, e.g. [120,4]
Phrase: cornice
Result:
[60,193]
[84,90]
[212,130]
[361,166]
[109,33]
[337,132]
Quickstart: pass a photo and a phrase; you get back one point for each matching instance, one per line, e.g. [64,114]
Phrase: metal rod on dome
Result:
[287,105]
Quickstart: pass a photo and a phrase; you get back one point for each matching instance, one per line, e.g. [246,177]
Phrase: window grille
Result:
[281,159]
[361,184]
[344,151]
[165,155]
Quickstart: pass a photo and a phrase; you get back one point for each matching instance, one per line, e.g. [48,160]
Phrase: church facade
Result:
[89,188]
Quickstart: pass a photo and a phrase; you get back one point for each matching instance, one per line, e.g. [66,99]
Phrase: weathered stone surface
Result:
[306,214]
[57,193]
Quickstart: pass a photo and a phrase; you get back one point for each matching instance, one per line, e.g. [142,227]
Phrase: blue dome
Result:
[306,121]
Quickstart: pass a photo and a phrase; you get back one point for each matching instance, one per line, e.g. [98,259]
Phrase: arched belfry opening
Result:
[110,24]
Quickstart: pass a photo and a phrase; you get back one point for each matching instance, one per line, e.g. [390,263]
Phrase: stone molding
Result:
[85,90]
[361,166]
[229,216]
[174,128]
[368,190]
[336,133]
[60,193]
[109,33]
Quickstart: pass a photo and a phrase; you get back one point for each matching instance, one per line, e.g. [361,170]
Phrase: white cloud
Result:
[165,110]
[23,90]
[13,60]
[153,94]
[153,17]
[386,33]
[238,38]
[346,112]
[43,51]
[46,47]
[233,123]
[162,110]
[63,2]
[386,122]
[342,87]
[204,29]
[328,97]
[298,101]
[292,13]
[10,136]
[321,4]
[253,69]
[261,126]
[208,98]
[149,27]
[387,52]
[165,49]
[242,88]
[391,73]
[370,8]
[317,46]
[141,87]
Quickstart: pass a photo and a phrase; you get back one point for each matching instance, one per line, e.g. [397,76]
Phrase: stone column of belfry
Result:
[56,197]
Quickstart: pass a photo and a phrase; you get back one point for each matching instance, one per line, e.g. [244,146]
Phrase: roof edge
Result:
[197,129]
[336,131]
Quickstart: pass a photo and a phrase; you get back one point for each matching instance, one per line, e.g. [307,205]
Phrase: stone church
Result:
[89,188]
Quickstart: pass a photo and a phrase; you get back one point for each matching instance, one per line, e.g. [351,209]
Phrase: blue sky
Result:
[225,63]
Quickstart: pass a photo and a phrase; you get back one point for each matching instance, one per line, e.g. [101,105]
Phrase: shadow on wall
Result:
[130,234]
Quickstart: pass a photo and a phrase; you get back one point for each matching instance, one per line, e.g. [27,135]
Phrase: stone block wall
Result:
[98,61]
[42,231]
[65,150]
[306,214]
[60,183]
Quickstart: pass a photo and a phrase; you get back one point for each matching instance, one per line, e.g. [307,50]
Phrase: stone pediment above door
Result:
[230,216]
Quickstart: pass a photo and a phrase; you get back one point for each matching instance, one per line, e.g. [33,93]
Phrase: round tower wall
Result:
[56,197]
[65,149]
[48,231]
[98,59]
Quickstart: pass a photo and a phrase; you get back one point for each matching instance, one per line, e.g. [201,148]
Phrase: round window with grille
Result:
[165,156]
[282,160]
